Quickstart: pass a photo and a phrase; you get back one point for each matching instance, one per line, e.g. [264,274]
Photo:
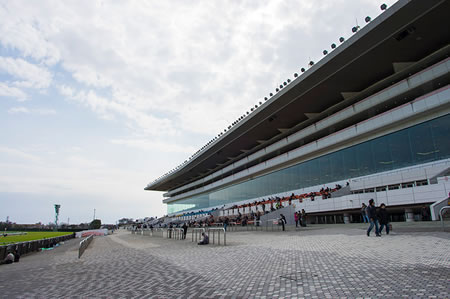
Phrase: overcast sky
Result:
[99,98]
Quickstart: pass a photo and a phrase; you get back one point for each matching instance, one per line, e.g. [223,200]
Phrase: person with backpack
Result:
[371,212]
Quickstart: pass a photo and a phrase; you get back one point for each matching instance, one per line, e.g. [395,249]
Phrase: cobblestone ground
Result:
[329,261]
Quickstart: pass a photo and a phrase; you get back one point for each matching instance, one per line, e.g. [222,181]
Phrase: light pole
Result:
[94,215]
[57,206]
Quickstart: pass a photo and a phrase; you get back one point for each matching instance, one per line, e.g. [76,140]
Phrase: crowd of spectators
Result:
[251,215]
[277,202]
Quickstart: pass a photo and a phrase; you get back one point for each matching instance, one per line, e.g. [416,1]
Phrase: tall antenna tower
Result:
[56,215]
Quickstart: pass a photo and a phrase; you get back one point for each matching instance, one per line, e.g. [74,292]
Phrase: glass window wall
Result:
[422,143]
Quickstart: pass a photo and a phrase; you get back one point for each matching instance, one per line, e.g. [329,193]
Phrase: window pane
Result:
[381,154]
[421,143]
[441,134]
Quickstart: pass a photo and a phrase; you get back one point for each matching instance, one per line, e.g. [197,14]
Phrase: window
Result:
[424,142]
[408,185]
[394,187]
[422,183]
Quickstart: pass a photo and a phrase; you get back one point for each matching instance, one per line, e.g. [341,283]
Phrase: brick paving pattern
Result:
[333,261]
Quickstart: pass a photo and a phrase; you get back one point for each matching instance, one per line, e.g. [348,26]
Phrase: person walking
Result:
[383,216]
[371,212]
[225,223]
[296,219]
[363,213]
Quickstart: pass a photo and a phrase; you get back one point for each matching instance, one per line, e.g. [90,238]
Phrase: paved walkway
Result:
[323,261]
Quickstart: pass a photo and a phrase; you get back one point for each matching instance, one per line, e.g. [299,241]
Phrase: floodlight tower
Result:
[56,215]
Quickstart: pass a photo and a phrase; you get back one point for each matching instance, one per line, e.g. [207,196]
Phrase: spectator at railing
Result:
[185,228]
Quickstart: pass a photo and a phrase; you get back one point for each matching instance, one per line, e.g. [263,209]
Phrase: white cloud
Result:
[38,111]
[18,154]
[108,109]
[26,74]
[155,146]
[14,92]
[15,110]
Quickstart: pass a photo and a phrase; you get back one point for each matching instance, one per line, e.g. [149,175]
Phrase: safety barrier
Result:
[251,225]
[197,232]
[84,244]
[175,233]
[31,246]
[217,230]
[442,214]
[274,222]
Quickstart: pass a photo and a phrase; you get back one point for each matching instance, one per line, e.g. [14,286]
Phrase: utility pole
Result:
[94,215]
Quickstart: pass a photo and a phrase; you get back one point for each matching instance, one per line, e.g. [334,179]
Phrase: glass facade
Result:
[425,142]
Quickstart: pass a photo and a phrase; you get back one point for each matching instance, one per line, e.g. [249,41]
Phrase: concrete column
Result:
[409,215]
[317,219]
[346,218]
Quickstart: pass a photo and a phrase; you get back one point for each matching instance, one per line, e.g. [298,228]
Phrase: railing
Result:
[30,246]
[218,230]
[84,244]
[197,232]
[157,232]
[442,215]
[272,221]
[175,233]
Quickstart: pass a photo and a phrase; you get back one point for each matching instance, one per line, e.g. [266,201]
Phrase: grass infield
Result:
[30,236]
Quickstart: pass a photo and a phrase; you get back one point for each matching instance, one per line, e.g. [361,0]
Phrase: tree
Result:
[95,224]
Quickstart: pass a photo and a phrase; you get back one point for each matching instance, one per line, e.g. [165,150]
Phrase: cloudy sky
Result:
[98,98]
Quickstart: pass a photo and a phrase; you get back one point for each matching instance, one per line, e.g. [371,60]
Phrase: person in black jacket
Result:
[383,217]
[185,228]
[371,212]
[282,221]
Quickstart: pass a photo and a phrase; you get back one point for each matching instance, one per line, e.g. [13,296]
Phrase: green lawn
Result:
[30,236]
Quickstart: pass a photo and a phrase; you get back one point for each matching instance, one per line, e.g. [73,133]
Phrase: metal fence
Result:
[272,223]
[176,233]
[441,213]
[197,232]
[84,244]
[31,246]
[213,231]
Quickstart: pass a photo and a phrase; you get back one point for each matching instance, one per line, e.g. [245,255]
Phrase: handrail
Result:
[272,220]
[84,244]
[440,213]
[218,230]
[196,231]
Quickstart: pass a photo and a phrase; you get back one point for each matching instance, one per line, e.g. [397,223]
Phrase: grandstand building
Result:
[371,116]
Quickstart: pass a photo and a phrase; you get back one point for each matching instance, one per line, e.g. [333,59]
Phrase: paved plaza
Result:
[321,261]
